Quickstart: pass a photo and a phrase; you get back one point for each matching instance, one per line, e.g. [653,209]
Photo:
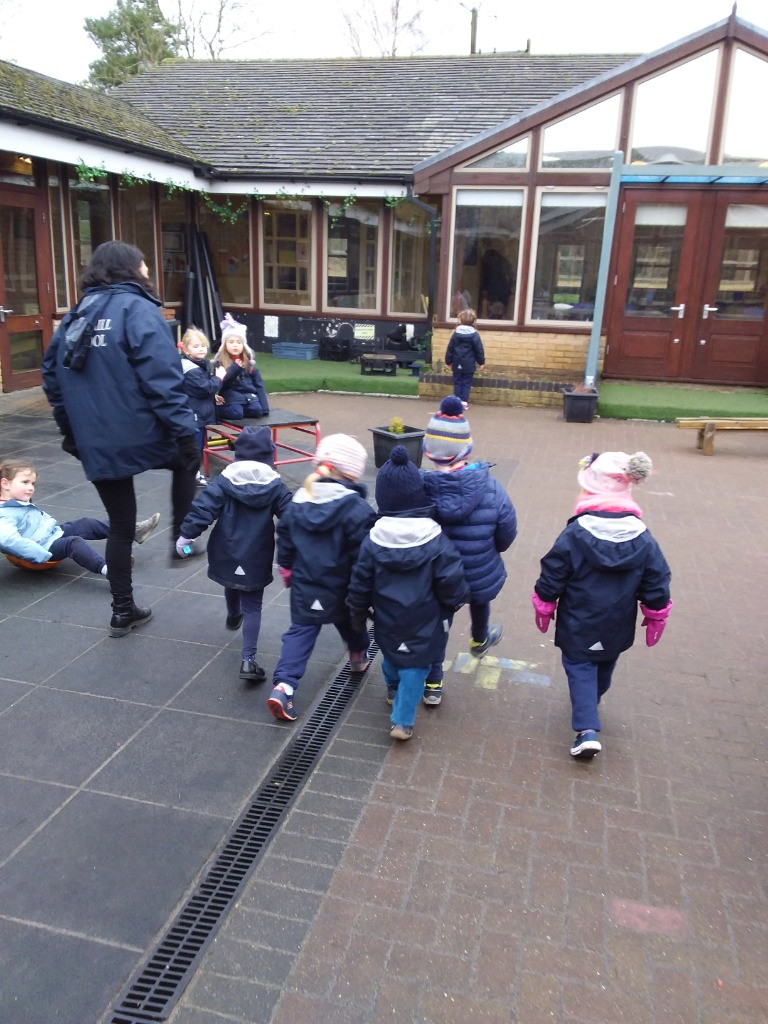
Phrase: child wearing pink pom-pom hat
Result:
[603,563]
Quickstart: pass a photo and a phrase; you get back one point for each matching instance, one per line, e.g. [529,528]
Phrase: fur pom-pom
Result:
[639,467]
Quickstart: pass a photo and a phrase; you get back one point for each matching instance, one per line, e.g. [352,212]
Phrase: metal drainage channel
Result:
[157,986]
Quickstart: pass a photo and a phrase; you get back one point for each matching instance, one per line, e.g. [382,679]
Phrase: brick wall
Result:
[563,353]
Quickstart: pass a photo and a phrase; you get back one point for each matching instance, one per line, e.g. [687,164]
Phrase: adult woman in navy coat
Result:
[125,411]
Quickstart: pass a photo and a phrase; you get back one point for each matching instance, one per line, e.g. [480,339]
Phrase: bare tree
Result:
[385,27]
[208,29]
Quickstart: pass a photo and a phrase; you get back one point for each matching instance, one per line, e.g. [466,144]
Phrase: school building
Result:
[602,213]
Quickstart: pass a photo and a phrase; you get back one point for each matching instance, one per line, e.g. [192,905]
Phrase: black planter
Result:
[579,406]
[384,441]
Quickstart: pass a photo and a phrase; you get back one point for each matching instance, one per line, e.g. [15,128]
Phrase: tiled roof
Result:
[358,117]
[26,96]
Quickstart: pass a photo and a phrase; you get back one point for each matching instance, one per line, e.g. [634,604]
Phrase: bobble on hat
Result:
[399,486]
[231,326]
[448,438]
[255,444]
[613,472]
[343,453]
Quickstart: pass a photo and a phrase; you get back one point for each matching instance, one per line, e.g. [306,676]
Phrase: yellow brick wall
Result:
[562,353]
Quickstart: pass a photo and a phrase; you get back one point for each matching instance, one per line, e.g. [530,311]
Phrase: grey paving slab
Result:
[24,806]
[31,652]
[10,692]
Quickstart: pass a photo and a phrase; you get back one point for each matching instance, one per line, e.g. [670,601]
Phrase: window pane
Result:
[286,252]
[746,136]
[91,217]
[656,248]
[353,255]
[568,256]
[230,246]
[57,242]
[26,351]
[17,236]
[586,139]
[511,157]
[137,223]
[17,170]
[174,217]
[486,246]
[744,264]
[410,259]
[672,114]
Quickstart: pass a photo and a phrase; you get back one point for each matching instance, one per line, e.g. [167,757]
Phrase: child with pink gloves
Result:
[603,563]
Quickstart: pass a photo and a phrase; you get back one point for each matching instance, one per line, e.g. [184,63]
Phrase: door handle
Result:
[702,341]
[3,313]
[706,310]
[680,310]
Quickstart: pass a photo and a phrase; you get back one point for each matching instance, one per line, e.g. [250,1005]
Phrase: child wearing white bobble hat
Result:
[603,563]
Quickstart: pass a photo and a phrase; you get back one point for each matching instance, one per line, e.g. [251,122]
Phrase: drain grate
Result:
[157,986]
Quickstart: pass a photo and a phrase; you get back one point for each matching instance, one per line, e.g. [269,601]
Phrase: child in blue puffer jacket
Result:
[476,513]
[243,393]
[201,383]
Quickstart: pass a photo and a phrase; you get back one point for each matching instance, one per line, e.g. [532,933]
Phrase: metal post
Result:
[593,349]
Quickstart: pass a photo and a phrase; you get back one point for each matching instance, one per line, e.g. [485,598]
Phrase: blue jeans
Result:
[587,682]
[73,543]
[299,642]
[248,602]
[409,683]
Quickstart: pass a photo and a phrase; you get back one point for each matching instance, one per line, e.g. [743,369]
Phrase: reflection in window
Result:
[673,112]
[91,208]
[57,242]
[352,246]
[512,157]
[746,136]
[568,256]
[586,139]
[410,259]
[26,351]
[486,247]
[17,237]
[656,248]
[17,170]
[137,223]
[743,281]
[230,248]
[286,227]
[174,217]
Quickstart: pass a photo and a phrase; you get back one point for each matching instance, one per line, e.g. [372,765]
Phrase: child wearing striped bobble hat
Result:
[478,516]
[318,540]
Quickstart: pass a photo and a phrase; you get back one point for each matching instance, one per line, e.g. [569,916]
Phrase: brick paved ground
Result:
[476,873]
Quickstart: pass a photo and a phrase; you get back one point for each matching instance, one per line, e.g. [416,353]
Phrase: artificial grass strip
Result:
[625,401]
[282,375]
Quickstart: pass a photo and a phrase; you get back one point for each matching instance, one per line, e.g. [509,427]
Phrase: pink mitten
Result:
[654,622]
[285,575]
[545,611]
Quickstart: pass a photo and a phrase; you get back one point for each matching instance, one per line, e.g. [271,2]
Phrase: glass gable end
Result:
[746,136]
[586,140]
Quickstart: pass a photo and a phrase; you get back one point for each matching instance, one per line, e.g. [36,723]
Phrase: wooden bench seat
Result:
[708,426]
[378,362]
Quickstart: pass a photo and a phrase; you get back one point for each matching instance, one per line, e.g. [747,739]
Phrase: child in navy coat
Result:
[201,383]
[464,355]
[243,393]
[603,563]
[244,501]
[411,575]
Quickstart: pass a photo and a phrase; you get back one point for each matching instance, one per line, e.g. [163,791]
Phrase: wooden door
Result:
[26,292]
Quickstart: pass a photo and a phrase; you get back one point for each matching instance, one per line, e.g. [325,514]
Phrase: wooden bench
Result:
[708,426]
[220,437]
[378,362]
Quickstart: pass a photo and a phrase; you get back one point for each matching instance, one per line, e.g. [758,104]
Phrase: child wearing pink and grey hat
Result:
[601,566]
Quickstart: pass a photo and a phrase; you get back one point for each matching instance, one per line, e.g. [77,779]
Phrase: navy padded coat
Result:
[475,512]
[126,408]
[201,386]
[465,350]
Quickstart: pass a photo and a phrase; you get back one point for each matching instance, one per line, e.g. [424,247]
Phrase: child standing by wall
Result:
[201,383]
[464,355]
[318,540]
[28,533]
[411,575]
[603,563]
[242,390]
[244,500]
[475,512]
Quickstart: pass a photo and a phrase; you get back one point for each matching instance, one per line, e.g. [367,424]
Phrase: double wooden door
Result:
[687,297]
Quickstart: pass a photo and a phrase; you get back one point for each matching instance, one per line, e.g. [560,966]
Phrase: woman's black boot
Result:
[125,615]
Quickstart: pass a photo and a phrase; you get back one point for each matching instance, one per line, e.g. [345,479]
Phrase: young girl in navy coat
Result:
[201,383]
[244,501]
[243,393]
[411,575]
[318,539]
[603,563]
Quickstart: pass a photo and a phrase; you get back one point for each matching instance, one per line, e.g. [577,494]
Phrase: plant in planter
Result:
[385,439]
[579,403]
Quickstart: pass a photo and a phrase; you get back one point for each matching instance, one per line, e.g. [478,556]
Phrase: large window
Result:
[230,248]
[486,244]
[587,139]
[567,255]
[286,252]
[746,136]
[137,223]
[56,202]
[352,255]
[91,209]
[174,217]
[512,157]
[410,259]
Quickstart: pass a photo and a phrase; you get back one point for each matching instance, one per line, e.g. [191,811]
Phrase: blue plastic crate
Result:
[294,350]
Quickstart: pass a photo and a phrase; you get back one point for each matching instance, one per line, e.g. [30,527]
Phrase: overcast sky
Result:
[48,35]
